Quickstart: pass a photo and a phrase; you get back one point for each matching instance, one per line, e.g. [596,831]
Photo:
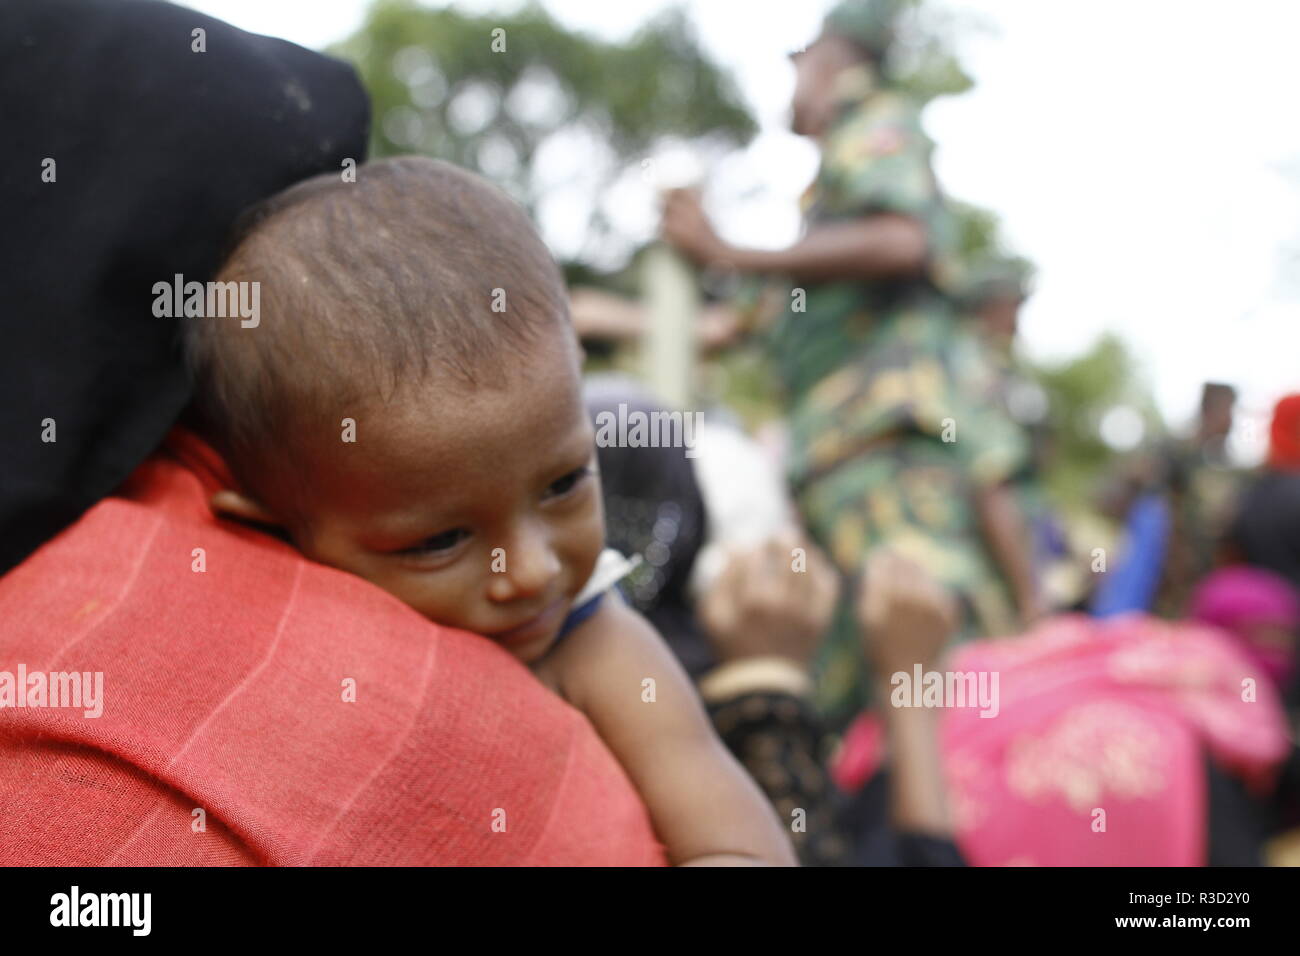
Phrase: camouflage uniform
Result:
[892,422]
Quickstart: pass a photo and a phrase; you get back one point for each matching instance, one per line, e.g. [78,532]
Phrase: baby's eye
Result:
[566,484]
[438,543]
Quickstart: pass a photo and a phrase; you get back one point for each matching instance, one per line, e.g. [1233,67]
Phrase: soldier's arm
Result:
[1007,534]
[884,245]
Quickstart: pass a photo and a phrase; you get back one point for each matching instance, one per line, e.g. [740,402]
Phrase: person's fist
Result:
[775,600]
[686,227]
[905,616]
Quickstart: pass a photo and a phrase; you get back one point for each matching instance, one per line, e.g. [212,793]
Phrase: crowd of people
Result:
[905,460]
[362,585]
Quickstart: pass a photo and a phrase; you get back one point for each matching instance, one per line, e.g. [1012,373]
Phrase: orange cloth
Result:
[224,692]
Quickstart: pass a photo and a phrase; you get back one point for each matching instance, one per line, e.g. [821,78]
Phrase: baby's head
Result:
[408,408]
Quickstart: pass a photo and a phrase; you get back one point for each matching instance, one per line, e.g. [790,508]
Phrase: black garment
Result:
[866,816]
[1237,822]
[778,739]
[653,507]
[1266,532]
[1267,526]
[157,150]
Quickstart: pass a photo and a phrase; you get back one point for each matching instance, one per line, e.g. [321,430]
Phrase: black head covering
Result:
[653,507]
[157,149]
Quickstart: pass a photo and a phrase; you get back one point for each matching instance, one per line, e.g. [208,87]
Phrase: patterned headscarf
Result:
[1237,599]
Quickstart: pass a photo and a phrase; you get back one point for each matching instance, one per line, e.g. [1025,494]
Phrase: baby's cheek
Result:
[439,598]
[588,541]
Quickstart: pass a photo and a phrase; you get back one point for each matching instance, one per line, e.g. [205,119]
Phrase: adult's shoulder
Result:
[309,716]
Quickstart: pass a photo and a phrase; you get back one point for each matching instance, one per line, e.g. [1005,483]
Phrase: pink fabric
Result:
[1238,599]
[862,752]
[1109,716]
[224,693]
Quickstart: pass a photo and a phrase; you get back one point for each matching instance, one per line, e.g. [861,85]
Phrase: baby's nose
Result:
[528,569]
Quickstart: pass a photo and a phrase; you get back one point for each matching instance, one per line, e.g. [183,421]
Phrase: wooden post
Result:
[672,305]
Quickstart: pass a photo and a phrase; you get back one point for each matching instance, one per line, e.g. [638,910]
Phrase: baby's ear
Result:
[234,504]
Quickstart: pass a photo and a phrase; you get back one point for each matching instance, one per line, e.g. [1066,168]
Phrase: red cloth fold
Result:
[225,692]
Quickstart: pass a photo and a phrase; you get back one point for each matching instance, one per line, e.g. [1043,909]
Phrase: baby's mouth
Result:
[546,621]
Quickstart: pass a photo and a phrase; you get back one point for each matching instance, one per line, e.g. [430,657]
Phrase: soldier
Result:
[1200,483]
[994,288]
[887,444]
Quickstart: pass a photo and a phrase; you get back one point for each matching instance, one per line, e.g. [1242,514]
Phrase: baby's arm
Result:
[705,808]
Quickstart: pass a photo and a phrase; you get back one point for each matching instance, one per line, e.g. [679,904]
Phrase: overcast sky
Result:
[1144,153]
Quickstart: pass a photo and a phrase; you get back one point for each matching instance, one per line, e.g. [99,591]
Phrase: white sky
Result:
[1144,153]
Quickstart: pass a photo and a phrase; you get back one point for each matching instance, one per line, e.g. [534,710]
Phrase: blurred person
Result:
[1265,531]
[1126,742]
[1214,424]
[1199,484]
[765,623]
[1259,611]
[1131,498]
[992,295]
[906,619]
[1175,503]
[993,292]
[887,445]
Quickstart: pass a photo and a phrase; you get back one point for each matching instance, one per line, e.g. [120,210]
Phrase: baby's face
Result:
[480,510]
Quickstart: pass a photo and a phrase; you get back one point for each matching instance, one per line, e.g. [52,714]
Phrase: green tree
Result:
[492,92]
[1080,392]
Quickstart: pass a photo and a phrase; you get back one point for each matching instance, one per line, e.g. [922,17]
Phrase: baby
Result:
[408,409]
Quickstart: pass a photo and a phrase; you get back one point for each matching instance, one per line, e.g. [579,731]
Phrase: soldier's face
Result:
[1001,318]
[1216,417]
[814,78]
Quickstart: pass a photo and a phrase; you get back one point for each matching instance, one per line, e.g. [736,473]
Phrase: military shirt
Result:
[892,410]
[860,359]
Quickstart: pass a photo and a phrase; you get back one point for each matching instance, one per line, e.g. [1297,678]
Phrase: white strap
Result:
[611,567]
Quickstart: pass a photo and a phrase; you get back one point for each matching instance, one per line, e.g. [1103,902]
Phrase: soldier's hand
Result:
[905,617]
[686,227]
[718,327]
